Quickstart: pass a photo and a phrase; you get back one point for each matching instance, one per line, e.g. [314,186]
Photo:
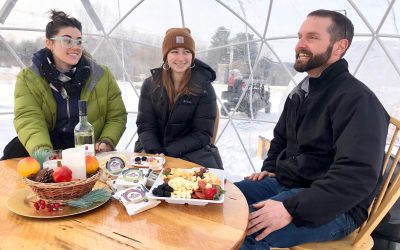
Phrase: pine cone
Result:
[45,176]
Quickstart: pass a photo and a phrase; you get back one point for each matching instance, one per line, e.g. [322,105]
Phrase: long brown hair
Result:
[185,87]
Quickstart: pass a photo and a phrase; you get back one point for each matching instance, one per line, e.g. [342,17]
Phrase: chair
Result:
[216,124]
[388,195]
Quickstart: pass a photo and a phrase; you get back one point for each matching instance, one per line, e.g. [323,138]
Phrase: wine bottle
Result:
[84,132]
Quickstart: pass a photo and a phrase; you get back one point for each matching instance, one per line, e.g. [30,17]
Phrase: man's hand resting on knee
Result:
[270,216]
[259,176]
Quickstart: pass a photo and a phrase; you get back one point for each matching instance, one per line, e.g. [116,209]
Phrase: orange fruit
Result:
[92,164]
[28,166]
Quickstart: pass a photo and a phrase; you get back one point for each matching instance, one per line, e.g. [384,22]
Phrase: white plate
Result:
[159,162]
[199,202]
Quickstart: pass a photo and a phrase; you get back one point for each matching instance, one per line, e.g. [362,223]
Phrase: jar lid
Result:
[133,195]
[132,175]
[115,165]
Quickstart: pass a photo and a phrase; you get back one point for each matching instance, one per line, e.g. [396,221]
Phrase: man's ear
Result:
[341,46]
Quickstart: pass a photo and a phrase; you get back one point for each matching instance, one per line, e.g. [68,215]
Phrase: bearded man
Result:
[323,167]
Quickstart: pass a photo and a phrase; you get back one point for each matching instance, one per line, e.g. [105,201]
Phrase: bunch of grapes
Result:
[163,190]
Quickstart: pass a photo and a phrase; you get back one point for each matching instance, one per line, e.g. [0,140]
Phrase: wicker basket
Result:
[63,191]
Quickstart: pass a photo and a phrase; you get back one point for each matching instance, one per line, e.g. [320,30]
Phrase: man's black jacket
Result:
[330,142]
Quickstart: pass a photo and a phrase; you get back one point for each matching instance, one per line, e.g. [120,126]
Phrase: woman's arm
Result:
[146,121]
[30,97]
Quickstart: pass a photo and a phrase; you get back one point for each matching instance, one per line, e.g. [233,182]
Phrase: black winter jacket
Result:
[190,124]
[330,143]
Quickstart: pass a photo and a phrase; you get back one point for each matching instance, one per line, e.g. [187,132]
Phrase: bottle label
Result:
[89,148]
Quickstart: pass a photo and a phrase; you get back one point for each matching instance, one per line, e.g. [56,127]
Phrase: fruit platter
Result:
[195,186]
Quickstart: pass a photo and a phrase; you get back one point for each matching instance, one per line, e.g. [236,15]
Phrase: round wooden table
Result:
[167,226]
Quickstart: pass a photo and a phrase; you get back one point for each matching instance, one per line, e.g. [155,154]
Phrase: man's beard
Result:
[314,61]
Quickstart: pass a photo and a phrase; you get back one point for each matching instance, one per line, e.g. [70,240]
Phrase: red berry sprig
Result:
[41,204]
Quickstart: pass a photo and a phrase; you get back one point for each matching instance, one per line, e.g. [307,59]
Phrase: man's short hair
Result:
[342,27]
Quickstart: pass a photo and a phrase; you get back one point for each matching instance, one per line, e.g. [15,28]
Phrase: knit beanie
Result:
[177,38]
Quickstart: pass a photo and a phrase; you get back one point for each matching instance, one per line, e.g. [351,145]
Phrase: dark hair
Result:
[342,27]
[60,20]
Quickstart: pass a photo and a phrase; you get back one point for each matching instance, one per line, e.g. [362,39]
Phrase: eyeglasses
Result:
[67,42]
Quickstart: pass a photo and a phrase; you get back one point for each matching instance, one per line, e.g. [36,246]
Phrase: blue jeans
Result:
[290,235]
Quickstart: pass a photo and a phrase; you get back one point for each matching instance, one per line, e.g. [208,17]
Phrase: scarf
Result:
[67,83]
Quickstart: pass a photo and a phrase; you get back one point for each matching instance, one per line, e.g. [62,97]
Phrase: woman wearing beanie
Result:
[47,94]
[177,105]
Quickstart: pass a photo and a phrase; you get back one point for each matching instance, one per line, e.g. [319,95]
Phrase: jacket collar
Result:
[330,73]
[96,72]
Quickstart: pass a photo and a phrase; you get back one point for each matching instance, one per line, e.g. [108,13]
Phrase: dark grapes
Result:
[163,190]
[137,159]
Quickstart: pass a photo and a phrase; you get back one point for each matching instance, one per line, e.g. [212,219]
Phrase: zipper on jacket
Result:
[65,96]
[169,116]
[161,93]
[68,111]
[303,97]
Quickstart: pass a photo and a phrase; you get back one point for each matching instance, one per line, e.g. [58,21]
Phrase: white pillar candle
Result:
[74,158]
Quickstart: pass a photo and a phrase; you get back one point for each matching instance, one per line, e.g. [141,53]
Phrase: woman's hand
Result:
[259,176]
[100,147]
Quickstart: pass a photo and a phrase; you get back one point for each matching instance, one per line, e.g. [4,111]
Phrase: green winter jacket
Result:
[35,107]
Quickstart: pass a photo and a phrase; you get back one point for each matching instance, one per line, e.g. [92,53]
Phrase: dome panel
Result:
[392,22]
[232,149]
[382,80]
[374,12]
[23,44]
[27,14]
[225,14]
[150,18]
[287,16]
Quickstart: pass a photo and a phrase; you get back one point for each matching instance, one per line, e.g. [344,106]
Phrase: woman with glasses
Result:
[177,104]
[47,94]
